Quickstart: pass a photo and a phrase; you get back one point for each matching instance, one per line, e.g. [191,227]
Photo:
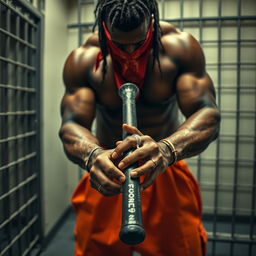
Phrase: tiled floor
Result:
[62,243]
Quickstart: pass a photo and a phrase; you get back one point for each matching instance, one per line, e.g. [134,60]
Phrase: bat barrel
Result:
[132,231]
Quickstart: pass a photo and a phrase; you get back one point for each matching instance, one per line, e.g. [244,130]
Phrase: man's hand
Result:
[151,155]
[105,177]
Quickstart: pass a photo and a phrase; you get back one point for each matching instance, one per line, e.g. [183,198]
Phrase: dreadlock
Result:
[126,15]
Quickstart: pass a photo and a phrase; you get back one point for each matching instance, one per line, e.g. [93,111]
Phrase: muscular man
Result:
[168,66]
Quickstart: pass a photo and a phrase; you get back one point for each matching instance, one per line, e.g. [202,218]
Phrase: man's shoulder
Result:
[81,61]
[173,37]
[178,44]
[85,55]
[167,28]
[89,49]
[92,40]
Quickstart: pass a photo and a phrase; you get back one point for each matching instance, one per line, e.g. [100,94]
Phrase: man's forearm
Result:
[196,133]
[77,142]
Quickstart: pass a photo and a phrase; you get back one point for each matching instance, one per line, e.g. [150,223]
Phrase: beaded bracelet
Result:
[90,155]
[172,149]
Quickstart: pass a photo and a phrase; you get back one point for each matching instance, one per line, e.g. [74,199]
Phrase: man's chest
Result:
[158,85]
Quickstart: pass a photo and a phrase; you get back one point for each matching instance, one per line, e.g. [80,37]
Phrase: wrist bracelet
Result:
[172,149]
[89,157]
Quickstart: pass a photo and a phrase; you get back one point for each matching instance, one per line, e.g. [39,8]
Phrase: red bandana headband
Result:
[128,67]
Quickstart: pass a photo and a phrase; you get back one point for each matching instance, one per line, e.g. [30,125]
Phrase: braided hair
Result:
[126,15]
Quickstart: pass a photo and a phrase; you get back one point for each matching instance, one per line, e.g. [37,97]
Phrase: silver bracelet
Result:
[89,157]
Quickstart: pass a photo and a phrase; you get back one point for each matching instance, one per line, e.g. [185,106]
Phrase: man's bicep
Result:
[194,93]
[79,106]
[78,103]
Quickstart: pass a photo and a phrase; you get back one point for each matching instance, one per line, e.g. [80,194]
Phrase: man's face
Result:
[129,41]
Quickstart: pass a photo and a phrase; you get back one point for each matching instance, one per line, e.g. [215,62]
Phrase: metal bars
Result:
[226,189]
[20,32]
[235,179]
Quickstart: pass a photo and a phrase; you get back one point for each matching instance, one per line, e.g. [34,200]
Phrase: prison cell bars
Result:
[234,237]
[216,237]
[233,218]
[218,142]
[20,228]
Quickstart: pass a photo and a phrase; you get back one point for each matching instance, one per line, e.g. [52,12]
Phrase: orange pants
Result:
[171,211]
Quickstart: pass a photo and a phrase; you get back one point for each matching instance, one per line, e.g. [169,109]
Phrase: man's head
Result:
[127,16]
[129,41]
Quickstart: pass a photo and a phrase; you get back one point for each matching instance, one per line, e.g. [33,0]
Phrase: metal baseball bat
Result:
[132,231]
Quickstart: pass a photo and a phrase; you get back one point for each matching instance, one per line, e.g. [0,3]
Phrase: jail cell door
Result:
[20,29]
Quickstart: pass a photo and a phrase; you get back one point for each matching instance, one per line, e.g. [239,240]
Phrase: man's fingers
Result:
[135,156]
[108,187]
[102,190]
[126,144]
[108,167]
[146,168]
[135,140]
[148,181]
[115,173]
[131,129]
[145,152]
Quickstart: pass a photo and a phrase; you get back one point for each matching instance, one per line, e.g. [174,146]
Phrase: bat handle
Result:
[132,231]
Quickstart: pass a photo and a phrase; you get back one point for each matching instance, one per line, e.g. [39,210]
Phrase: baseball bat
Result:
[132,231]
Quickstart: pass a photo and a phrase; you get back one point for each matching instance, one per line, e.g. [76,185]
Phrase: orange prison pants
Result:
[171,212]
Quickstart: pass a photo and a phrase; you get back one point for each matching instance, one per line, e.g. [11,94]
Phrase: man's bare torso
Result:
[157,110]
